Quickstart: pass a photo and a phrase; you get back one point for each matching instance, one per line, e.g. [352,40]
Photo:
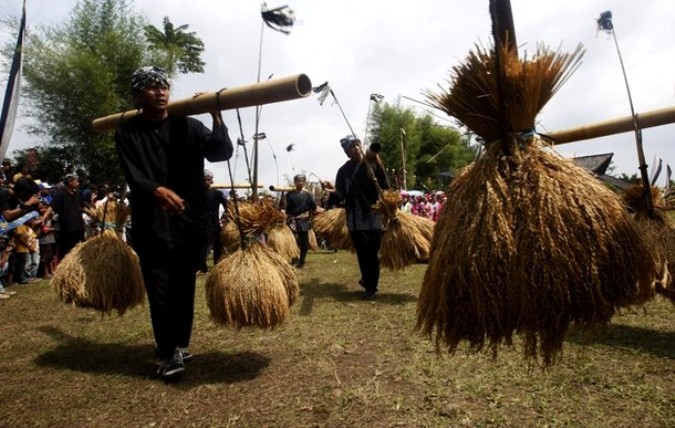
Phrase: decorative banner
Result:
[12,94]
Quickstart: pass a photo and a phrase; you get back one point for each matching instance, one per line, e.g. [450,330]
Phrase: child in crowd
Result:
[47,239]
[4,268]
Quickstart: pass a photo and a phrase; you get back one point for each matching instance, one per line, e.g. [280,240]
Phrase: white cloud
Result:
[403,48]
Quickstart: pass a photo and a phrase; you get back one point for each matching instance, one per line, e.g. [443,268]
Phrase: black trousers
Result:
[367,246]
[68,239]
[302,238]
[170,278]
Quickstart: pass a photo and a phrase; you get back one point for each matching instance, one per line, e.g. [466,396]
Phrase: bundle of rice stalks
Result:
[403,242]
[102,273]
[230,237]
[530,242]
[112,216]
[256,219]
[331,225]
[251,287]
[281,240]
[313,242]
[425,229]
[658,230]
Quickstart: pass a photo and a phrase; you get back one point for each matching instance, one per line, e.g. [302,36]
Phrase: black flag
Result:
[279,19]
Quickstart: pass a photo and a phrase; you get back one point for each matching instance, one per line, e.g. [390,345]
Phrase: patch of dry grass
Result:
[338,362]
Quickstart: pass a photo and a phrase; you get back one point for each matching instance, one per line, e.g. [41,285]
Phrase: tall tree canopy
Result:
[431,151]
[80,70]
[176,47]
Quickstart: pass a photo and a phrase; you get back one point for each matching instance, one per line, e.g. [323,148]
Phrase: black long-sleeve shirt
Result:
[169,153]
[354,185]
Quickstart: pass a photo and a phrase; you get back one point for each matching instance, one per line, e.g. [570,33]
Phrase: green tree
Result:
[430,150]
[80,70]
[175,48]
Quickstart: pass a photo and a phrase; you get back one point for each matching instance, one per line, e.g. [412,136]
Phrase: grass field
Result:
[338,362]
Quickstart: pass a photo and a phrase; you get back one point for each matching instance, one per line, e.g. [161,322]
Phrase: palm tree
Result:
[177,47]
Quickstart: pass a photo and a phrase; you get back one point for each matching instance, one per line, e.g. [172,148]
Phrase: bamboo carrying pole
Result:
[271,91]
[281,188]
[664,116]
[232,186]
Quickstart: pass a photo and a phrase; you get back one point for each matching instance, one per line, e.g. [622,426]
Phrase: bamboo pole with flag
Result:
[605,24]
[13,92]
[280,19]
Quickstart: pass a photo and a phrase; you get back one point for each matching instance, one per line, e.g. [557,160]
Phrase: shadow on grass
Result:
[82,355]
[315,289]
[657,343]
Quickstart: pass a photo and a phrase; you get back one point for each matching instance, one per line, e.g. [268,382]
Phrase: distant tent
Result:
[445,177]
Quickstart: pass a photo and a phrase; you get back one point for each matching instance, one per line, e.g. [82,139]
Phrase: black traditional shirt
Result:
[357,189]
[168,153]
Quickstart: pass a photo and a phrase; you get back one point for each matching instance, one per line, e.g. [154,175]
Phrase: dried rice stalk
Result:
[257,217]
[332,226]
[313,243]
[658,230]
[102,273]
[528,85]
[112,215]
[403,242]
[282,240]
[531,242]
[230,237]
[250,288]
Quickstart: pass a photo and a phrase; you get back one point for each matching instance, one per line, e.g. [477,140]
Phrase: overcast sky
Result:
[400,49]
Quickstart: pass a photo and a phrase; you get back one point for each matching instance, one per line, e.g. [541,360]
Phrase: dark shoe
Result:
[172,367]
[187,355]
[368,295]
[361,283]
[300,265]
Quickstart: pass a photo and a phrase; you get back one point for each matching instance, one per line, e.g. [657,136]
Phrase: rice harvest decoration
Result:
[531,242]
[313,242]
[281,239]
[406,239]
[331,225]
[253,286]
[103,272]
[658,229]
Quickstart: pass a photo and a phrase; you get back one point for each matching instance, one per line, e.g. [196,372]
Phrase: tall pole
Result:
[254,185]
[605,23]
[638,135]
[403,161]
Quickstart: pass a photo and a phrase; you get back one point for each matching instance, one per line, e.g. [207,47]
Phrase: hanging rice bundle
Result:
[425,230]
[246,289]
[281,240]
[530,242]
[658,230]
[256,218]
[313,242]
[230,237]
[402,241]
[253,286]
[331,225]
[287,273]
[102,273]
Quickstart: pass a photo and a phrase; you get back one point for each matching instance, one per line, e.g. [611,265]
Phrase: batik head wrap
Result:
[148,75]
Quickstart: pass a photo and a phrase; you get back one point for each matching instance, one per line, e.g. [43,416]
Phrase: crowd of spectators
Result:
[40,223]
[427,205]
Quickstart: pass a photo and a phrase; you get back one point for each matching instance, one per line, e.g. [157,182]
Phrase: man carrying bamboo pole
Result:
[162,157]
[359,191]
